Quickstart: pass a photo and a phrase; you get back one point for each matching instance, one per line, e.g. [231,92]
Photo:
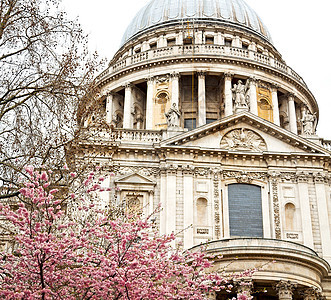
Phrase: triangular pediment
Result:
[244,132]
[135,179]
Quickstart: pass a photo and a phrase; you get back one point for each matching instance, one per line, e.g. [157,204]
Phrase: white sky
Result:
[300,30]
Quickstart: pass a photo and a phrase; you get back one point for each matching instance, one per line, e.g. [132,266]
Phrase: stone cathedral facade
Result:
[206,118]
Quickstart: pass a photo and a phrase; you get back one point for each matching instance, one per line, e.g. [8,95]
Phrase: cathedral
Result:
[206,119]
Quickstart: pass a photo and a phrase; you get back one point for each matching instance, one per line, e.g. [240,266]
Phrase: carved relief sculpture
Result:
[243,139]
[309,122]
[240,96]
[173,116]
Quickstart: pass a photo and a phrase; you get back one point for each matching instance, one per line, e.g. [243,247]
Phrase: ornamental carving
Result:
[217,217]
[275,201]
[285,289]
[138,170]
[320,178]
[243,139]
[311,293]
[244,177]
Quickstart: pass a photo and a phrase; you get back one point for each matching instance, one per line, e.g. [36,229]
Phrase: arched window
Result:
[289,216]
[201,212]
[245,210]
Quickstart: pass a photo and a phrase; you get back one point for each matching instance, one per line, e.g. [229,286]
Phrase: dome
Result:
[166,12]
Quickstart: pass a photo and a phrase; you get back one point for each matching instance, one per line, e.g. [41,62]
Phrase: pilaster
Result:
[320,182]
[307,229]
[188,207]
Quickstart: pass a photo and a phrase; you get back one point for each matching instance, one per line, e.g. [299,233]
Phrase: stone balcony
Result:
[188,51]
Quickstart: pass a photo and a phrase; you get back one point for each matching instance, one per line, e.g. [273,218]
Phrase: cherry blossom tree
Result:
[76,250]
[46,76]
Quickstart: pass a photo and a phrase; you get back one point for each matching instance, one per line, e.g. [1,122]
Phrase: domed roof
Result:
[161,12]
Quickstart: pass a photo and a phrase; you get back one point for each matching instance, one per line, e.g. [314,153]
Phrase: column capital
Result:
[201,73]
[128,85]
[285,289]
[274,87]
[252,80]
[244,286]
[228,75]
[175,75]
[290,95]
[150,79]
[312,293]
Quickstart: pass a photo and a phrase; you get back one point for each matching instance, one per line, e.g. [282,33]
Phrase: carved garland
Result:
[217,206]
[275,202]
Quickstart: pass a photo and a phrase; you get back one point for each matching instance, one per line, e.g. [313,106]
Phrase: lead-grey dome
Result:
[161,12]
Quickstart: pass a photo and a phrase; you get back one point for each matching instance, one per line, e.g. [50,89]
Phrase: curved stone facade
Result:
[197,115]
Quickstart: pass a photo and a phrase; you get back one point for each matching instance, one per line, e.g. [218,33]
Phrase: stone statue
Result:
[309,122]
[240,97]
[173,116]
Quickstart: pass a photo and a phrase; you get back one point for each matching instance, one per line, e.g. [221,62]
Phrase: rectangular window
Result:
[153,45]
[190,124]
[188,41]
[245,210]
[171,42]
[228,42]
[138,50]
[210,40]
[208,120]
[245,47]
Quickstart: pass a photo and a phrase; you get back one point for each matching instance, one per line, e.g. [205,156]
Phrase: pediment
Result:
[244,132]
[135,178]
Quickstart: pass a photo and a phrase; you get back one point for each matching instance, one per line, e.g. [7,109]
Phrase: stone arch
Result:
[265,109]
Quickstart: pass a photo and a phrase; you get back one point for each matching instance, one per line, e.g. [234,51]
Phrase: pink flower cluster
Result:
[55,258]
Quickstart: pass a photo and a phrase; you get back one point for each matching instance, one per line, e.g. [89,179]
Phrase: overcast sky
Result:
[300,30]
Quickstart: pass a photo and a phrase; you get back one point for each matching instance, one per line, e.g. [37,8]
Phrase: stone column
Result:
[228,110]
[149,104]
[201,98]
[175,89]
[291,114]
[109,108]
[253,96]
[244,287]
[285,289]
[275,104]
[127,117]
[188,207]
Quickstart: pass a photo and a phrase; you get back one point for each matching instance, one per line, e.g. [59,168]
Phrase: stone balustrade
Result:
[123,135]
[141,136]
[184,51]
[326,144]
